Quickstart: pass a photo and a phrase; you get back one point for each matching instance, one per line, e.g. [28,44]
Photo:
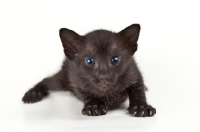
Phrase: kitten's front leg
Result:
[94,107]
[35,94]
[138,106]
[41,90]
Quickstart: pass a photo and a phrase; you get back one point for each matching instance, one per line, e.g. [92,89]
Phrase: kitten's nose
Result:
[103,78]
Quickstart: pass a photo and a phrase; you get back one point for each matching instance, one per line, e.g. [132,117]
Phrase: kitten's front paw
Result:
[94,109]
[33,96]
[141,110]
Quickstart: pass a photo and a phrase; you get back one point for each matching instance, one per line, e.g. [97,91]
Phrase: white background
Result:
[168,56]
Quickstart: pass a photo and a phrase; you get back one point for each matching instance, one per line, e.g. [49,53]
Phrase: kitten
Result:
[100,70]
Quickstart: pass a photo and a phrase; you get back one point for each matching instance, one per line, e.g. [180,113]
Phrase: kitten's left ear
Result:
[129,37]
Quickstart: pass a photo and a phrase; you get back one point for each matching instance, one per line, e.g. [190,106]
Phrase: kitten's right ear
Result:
[70,41]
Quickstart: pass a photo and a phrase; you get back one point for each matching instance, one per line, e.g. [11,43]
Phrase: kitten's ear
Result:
[129,37]
[70,41]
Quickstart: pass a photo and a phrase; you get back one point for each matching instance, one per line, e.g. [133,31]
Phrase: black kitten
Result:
[100,70]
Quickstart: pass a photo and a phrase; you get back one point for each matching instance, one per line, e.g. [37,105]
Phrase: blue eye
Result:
[90,61]
[115,60]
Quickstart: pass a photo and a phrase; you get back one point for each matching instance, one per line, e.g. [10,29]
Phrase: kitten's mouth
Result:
[104,86]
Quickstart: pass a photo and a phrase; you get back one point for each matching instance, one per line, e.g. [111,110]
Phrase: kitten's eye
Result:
[90,61]
[115,60]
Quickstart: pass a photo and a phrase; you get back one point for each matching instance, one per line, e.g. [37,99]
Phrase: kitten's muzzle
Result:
[103,79]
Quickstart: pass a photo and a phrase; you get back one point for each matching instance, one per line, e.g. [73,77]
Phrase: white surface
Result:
[168,56]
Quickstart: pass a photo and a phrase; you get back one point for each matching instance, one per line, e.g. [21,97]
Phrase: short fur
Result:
[103,86]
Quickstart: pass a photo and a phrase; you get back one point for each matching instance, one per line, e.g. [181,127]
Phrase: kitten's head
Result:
[100,57]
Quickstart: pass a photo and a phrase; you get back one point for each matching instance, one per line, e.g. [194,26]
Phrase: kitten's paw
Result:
[33,96]
[141,110]
[94,109]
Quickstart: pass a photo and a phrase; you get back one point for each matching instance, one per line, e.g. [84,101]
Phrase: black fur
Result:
[103,86]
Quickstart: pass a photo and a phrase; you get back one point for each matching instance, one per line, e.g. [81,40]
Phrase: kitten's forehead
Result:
[101,41]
